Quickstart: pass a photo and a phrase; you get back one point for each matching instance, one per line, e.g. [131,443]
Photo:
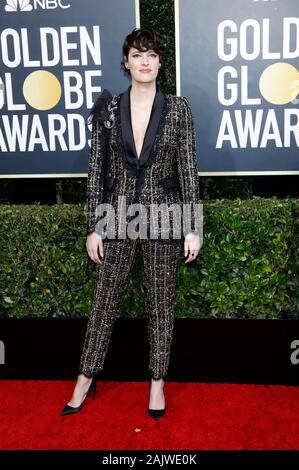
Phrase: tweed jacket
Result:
[166,170]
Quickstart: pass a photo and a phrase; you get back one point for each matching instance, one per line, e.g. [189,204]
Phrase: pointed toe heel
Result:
[67,410]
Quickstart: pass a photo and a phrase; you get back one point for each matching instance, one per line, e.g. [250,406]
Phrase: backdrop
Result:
[238,62]
[55,57]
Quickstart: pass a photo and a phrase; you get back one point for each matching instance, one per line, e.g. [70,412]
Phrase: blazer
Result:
[166,171]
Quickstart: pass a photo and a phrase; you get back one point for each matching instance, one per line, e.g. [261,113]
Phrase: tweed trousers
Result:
[160,260]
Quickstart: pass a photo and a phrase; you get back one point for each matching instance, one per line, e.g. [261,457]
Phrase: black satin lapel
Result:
[127,131]
[126,128]
[152,127]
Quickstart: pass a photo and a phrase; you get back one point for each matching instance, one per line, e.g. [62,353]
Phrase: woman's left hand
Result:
[191,246]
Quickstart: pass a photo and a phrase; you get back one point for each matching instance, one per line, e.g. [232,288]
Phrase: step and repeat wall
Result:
[55,57]
[238,63]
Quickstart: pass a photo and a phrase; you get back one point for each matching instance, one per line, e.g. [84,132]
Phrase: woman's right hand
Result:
[94,245]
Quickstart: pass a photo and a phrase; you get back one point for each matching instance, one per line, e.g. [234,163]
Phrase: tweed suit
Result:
[165,172]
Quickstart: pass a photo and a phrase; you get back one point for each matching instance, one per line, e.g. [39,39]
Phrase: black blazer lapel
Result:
[150,134]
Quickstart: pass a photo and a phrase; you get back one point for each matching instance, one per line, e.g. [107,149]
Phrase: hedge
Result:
[247,266]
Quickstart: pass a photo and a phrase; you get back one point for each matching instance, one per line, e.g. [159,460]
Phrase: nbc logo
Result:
[12,5]
[25,5]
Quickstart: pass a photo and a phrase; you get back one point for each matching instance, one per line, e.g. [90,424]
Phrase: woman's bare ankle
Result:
[83,379]
[159,381]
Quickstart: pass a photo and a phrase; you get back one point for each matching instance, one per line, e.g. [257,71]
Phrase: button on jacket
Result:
[166,170]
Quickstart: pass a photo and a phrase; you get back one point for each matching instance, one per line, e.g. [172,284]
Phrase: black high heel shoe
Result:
[156,414]
[67,410]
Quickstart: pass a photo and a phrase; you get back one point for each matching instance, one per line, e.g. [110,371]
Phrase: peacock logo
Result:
[28,5]
[18,5]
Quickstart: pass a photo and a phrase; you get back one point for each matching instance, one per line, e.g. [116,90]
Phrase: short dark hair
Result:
[143,39]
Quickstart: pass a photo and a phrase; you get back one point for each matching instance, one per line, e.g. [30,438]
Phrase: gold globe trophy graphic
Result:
[42,90]
[279,83]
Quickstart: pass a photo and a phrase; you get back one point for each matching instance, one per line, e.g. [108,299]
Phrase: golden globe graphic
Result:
[51,77]
[42,90]
[279,83]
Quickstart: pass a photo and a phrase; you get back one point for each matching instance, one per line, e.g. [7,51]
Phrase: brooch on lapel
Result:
[110,122]
[103,109]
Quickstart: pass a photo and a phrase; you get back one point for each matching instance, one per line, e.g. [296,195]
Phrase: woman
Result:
[150,159]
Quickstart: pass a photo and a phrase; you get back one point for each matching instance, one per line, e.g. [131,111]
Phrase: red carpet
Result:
[199,416]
